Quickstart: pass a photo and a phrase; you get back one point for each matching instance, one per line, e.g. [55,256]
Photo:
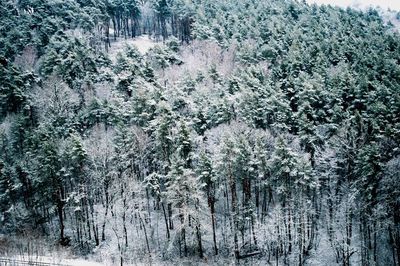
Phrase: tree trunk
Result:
[171,223]
[145,234]
[212,209]
[198,233]
[166,220]
[232,183]
[60,206]
[107,203]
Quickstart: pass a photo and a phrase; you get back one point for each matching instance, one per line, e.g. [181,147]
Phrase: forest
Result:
[251,132]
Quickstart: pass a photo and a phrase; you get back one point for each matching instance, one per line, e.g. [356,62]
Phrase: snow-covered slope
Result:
[143,43]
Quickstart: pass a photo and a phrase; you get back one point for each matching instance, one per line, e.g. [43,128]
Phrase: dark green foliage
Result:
[290,129]
[75,62]
[13,89]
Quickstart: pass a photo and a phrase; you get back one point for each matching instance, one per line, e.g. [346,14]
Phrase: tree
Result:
[186,195]
[48,174]
[75,62]
[15,86]
[206,175]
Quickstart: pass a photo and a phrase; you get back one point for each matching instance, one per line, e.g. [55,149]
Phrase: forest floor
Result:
[143,43]
[45,260]
[391,16]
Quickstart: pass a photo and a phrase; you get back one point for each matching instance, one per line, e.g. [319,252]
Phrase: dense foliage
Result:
[265,130]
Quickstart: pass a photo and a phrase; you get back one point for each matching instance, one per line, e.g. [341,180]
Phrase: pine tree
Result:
[186,196]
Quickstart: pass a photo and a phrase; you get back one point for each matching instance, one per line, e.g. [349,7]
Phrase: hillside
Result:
[202,132]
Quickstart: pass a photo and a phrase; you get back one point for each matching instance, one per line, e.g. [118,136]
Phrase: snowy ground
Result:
[391,16]
[382,6]
[143,43]
[362,4]
[56,260]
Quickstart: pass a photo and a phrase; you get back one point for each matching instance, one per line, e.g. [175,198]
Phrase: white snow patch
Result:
[143,43]
[391,17]
[49,259]
[361,4]
[81,262]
